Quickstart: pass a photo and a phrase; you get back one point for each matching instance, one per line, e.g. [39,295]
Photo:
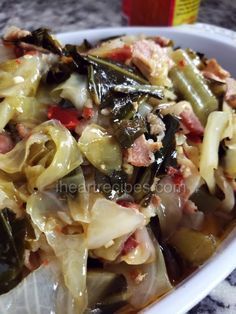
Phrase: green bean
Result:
[189,82]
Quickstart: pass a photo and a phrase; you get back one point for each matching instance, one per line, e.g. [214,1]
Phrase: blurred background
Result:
[68,15]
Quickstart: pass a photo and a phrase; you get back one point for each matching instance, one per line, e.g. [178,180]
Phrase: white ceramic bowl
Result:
[214,42]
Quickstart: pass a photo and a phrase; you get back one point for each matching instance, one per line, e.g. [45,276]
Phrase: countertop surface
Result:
[70,15]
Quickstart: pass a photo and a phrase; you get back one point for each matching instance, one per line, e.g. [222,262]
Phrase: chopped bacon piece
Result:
[230,96]
[18,61]
[140,154]
[87,113]
[182,63]
[127,204]
[120,54]
[191,122]
[189,207]
[212,76]
[19,52]
[213,67]
[176,176]
[194,138]
[31,260]
[31,52]
[162,41]
[155,200]
[6,143]
[129,245]
[172,171]
[22,130]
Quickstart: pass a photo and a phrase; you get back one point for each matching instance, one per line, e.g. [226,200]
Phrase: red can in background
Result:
[160,12]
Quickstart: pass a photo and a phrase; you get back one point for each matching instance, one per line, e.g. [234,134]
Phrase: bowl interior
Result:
[198,285]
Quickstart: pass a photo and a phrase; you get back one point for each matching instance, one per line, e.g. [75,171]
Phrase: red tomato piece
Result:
[68,117]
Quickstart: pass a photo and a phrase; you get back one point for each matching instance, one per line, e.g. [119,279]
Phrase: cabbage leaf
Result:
[47,155]
[74,89]
[214,132]
[41,292]
[70,250]
[110,221]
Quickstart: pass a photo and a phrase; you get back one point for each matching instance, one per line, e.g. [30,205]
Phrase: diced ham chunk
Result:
[212,76]
[191,122]
[230,96]
[152,60]
[6,143]
[215,71]
[22,130]
[190,207]
[141,153]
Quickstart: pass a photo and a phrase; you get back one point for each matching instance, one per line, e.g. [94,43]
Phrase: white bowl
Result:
[214,42]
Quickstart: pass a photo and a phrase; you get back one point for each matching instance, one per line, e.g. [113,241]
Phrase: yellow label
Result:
[185,11]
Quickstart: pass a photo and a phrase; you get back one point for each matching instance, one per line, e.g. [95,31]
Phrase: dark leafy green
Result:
[58,73]
[107,291]
[94,85]
[126,131]
[104,76]
[65,103]
[41,37]
[122,107]
[204,200]
[12,245]
[127,72]
[154,91]
[84,47]
[108,38]
[167,154]
[80,62]
[165,157]
[173,261]
[145,177]
[109,185]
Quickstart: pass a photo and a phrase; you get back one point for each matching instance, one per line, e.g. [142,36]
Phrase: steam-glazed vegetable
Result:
[217,124]
[74,89]
[106,212]
[188,81]
[101,149]
[194,246]
[117,171]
